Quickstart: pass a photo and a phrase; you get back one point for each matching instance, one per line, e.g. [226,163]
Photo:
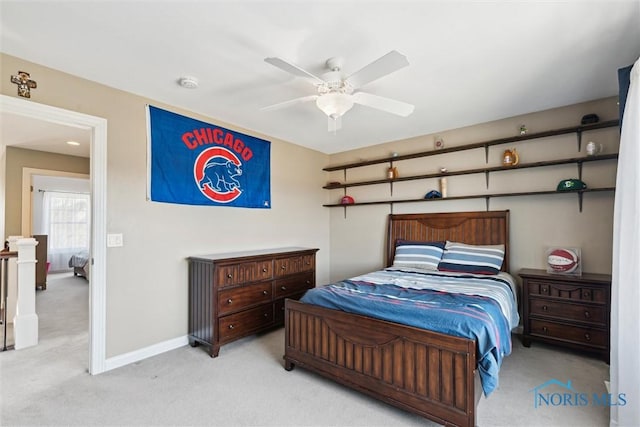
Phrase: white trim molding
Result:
[144,353]
[97,280]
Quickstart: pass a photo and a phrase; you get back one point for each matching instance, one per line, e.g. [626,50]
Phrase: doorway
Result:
[97,126]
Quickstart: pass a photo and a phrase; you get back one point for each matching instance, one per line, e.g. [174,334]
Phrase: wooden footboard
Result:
[421,371]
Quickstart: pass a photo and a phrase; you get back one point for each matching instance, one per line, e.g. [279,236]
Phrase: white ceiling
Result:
[32,134]
[471,61]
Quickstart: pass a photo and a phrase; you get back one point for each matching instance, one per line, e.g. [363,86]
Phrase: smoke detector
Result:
[188,82]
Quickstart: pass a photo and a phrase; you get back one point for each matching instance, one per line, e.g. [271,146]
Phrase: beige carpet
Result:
[246,385]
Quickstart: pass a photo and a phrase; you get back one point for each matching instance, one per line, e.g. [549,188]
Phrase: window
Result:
[67,221]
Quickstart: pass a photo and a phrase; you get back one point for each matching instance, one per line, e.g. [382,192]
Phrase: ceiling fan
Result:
[336,94]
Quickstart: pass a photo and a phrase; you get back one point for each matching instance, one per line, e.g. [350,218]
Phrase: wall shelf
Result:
[478,196]
[486,170]
[486,144]
[578,130]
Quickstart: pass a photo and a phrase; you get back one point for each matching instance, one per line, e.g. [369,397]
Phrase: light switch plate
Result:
[114,240]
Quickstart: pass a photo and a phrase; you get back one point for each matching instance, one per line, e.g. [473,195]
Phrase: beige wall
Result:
[357,241]
[147,278]
[17,159]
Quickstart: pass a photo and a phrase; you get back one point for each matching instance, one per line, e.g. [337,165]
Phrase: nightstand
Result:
[572,311]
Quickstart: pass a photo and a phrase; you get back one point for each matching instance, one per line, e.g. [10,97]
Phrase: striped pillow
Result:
[476,259]
[425,255]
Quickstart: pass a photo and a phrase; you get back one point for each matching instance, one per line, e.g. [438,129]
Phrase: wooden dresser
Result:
[573,311]
[232,295]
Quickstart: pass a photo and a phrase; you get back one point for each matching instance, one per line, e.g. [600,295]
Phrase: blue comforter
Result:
[406,297]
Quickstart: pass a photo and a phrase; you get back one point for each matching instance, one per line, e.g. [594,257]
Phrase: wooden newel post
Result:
[25,322]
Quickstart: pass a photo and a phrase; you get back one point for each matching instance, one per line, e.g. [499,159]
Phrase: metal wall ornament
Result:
[25,84]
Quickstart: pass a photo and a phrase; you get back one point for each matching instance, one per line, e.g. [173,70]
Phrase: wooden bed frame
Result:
[425,372]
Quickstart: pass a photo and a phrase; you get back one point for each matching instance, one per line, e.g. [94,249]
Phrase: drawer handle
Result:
[587,336]
[265,293]
[545,308]
[284,288]
[283,267]
[229,301]
[231,326]
[308,282]
[544,289]
[544,329]
[587,314]
[264,270]
[230,276]
[266,315]
[587,294]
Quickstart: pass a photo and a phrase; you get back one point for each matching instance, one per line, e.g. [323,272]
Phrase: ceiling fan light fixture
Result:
[334,104]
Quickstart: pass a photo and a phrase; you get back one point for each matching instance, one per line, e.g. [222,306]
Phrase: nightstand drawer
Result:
[583,313]
[569,291]
[574,334]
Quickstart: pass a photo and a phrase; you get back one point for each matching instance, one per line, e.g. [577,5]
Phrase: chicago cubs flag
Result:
[197,163]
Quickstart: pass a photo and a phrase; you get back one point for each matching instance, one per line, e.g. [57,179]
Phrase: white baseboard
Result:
[144,353]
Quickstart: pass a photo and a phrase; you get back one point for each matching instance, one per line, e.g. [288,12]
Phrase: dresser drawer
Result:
[561,310]
[569,291]
[279,307]
[293,265]
[246,322]
[574,334]
[308,263]
[293,285]
[230,300]
[234,274]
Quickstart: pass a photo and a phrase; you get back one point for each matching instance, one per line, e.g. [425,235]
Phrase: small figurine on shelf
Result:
[593,148]
[443,183]
[523,130]
[433,194]
[347,200]
[510,157]
[443,187]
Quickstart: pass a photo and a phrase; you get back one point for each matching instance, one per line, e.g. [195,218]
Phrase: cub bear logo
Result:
[220,175]
[215,171]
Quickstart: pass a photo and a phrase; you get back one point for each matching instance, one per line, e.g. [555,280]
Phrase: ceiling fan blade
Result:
[293,69]
[289,103]
[387,64]
[385,104]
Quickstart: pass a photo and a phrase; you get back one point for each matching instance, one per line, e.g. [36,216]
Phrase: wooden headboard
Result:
[474,228]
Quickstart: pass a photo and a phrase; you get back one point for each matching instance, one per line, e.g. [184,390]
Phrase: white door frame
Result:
[98,164]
